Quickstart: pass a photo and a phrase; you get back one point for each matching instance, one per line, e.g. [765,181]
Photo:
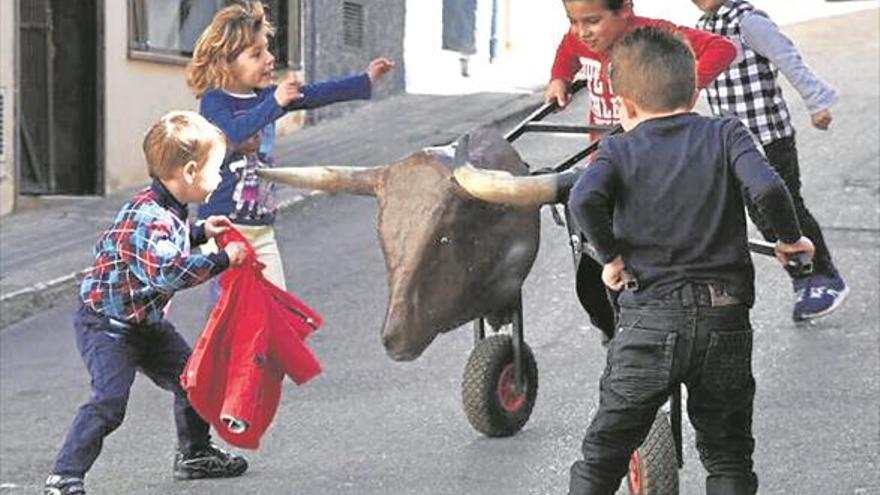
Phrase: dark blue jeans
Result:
[782,155]
[679,339]
[112,352]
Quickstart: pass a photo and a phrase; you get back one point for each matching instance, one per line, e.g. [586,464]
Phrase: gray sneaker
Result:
[209,462]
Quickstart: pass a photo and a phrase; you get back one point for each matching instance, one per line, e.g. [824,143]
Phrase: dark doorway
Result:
[60,126]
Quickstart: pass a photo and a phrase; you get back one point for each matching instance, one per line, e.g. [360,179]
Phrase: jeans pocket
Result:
[728,363]
[640,363]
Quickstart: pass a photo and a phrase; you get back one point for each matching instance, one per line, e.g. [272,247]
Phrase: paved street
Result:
[370,426]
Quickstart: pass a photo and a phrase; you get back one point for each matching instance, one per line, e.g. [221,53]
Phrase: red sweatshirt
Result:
[714,54]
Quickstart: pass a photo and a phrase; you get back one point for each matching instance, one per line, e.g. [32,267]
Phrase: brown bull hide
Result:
[450,258]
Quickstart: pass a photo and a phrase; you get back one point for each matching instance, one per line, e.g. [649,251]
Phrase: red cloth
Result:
[255,335]
[714,55]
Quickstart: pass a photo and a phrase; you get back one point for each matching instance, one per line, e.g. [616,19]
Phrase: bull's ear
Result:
[330,178]
[496,186]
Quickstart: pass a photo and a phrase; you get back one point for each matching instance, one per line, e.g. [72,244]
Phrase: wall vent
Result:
[353,24]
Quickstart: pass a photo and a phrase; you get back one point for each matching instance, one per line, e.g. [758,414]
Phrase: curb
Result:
[42,296]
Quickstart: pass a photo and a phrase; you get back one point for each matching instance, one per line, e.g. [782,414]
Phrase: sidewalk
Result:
[44,252]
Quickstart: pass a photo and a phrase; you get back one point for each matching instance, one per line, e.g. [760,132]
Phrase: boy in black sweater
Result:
[664,203]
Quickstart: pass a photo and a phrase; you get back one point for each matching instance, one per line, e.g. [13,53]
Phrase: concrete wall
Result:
[137,93]
[326,56]
[7,87]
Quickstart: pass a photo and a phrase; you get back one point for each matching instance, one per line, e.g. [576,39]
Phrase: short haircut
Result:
[177,138]
[612,5]
[232,30]
[655,68]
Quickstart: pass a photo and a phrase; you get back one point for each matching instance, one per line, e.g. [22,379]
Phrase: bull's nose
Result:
[401,355]
[398,349]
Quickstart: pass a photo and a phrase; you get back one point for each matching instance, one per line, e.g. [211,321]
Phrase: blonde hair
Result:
[232,31]
[179,137]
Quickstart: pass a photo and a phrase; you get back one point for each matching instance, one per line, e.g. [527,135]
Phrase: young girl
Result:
[232,73]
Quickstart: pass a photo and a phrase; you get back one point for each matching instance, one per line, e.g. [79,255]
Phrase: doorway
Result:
[60,88]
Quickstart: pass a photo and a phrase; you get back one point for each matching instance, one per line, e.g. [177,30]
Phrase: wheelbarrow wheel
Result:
[491,402]
[653,467]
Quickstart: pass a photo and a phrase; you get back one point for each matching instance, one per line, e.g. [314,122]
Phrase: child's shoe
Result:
[63,485]
[210,462]
[818,295]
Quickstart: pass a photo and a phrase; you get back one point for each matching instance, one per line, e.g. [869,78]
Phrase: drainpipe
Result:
[311,64]
[493,38]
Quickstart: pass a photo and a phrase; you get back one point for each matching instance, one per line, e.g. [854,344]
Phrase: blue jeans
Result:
[112,351]
[681,338]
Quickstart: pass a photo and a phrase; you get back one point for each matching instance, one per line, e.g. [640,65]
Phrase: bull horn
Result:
[333,179]
[497,186]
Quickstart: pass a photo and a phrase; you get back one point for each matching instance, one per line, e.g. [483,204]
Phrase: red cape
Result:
[255,335]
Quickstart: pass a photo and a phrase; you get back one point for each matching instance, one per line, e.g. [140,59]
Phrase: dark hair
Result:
[655,68]
[612,5]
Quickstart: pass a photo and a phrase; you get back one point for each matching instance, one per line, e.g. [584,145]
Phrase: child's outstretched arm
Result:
[565,66]
[764,37]
[714,54]
[357,87]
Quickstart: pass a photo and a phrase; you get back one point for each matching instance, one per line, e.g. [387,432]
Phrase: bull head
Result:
[450,258]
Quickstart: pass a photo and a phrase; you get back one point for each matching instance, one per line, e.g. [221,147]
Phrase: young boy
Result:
[749,90]
[140,262]
[664,201]
[596,25]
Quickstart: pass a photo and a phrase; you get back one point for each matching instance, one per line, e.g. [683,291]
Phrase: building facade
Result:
[81,81]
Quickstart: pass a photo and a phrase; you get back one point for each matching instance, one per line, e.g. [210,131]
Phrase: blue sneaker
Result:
[818,295]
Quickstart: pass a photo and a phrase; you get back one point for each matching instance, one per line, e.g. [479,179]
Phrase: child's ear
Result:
[190,171]
[629,108]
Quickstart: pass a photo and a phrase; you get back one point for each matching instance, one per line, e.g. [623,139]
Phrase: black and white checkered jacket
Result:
[748,89]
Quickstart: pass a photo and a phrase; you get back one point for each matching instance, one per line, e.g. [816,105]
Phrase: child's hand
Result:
[236,252]
[822,119]
[288,90]
[612,274]
[557,90]
[378,68]
[784,251]
[216,225]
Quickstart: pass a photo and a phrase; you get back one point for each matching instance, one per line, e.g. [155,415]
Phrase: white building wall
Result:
[137,93]
[8,90]
[529,32]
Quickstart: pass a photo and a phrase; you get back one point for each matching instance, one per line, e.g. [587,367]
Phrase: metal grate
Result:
[353,24]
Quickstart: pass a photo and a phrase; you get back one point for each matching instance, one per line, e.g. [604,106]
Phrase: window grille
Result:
[353,24]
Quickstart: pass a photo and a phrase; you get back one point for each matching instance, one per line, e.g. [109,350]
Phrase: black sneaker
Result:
[63,485]
[210,462]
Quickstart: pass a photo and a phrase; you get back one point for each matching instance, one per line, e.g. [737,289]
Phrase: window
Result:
[167,30]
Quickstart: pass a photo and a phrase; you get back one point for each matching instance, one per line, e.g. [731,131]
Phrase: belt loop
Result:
[688,295]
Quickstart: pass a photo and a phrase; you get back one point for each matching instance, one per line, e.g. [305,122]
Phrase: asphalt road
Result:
[369,426]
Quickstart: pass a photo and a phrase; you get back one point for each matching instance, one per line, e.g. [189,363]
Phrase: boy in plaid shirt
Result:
[140,262]
[749,90]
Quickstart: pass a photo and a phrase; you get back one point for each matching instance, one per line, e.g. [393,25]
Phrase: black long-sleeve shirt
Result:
[667,197]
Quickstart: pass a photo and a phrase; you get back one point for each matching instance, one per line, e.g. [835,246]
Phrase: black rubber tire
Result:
[479,388]
[656,460]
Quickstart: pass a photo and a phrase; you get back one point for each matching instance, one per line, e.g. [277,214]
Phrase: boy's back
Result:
[678,212]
